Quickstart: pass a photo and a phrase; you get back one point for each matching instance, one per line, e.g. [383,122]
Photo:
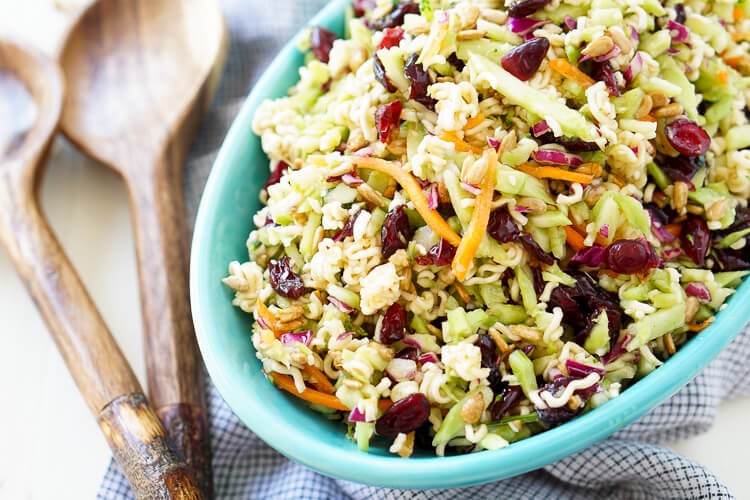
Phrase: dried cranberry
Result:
[404,416]
[395,17]
[394,322]
[386,119]
[614,324]
[659,214]
[565,297]
[523,61]
[420,80]
[695,239]
[362,6]
[535,251]
[557,416]
[741,221]
[440,254]
[391,37]
[321,42]
[456,62]
[538,279]
[630,256]
[603,72]
[682,168]
[275,176]
[679,13]
[575,145]
[284,280]
[409,352]
[728,259]
[348,229]
[396,232]
[687,137]
[580,301]
[379,71]
[512,395]
[525,8]
[502,227]
[487,348]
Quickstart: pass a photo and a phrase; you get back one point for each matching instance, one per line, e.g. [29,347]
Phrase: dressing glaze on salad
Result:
[484,219]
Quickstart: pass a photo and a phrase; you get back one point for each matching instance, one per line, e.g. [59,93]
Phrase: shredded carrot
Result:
[567,70]
[736,61]
[648,118]
[723,76]
[462,292]
[479,218]
[384,404]
[318,379]
[410,184]
[738,13]
[574,238]
[697,327]
[741,37]
[460,144]
[266,316]
[547,172]
[608,272]
[286,383]
[474,122]
[673,229]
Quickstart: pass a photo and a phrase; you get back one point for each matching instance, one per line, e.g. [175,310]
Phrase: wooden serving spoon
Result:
[139,74]
[31,93]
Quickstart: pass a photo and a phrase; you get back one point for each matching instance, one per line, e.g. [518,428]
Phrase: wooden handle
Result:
[96,363]
[139,445]
[173,363]
[91,353]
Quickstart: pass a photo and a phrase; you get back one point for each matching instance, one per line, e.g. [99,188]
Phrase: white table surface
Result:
[50,446]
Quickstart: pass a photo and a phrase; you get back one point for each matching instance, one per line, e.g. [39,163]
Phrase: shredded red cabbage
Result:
[428,357]
[471,188]
[524,25]
[557,157]
[302,337]
[679,32]
[357,416]
[590,256]
[580,370]
[699,290]
[540,128]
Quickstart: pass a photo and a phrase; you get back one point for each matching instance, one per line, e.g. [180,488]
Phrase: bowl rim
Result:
[417,472]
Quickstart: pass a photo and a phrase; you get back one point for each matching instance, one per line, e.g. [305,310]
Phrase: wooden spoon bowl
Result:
[140,73]
[29,84]
[31,94]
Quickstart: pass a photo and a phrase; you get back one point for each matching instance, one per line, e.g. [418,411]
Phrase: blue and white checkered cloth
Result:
[628,465]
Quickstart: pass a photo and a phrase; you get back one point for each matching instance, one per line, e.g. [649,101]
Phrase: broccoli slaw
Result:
[483,219]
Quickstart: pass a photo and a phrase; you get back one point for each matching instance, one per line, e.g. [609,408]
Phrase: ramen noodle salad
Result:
[484,219]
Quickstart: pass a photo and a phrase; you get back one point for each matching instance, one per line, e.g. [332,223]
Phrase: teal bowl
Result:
[223,223]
